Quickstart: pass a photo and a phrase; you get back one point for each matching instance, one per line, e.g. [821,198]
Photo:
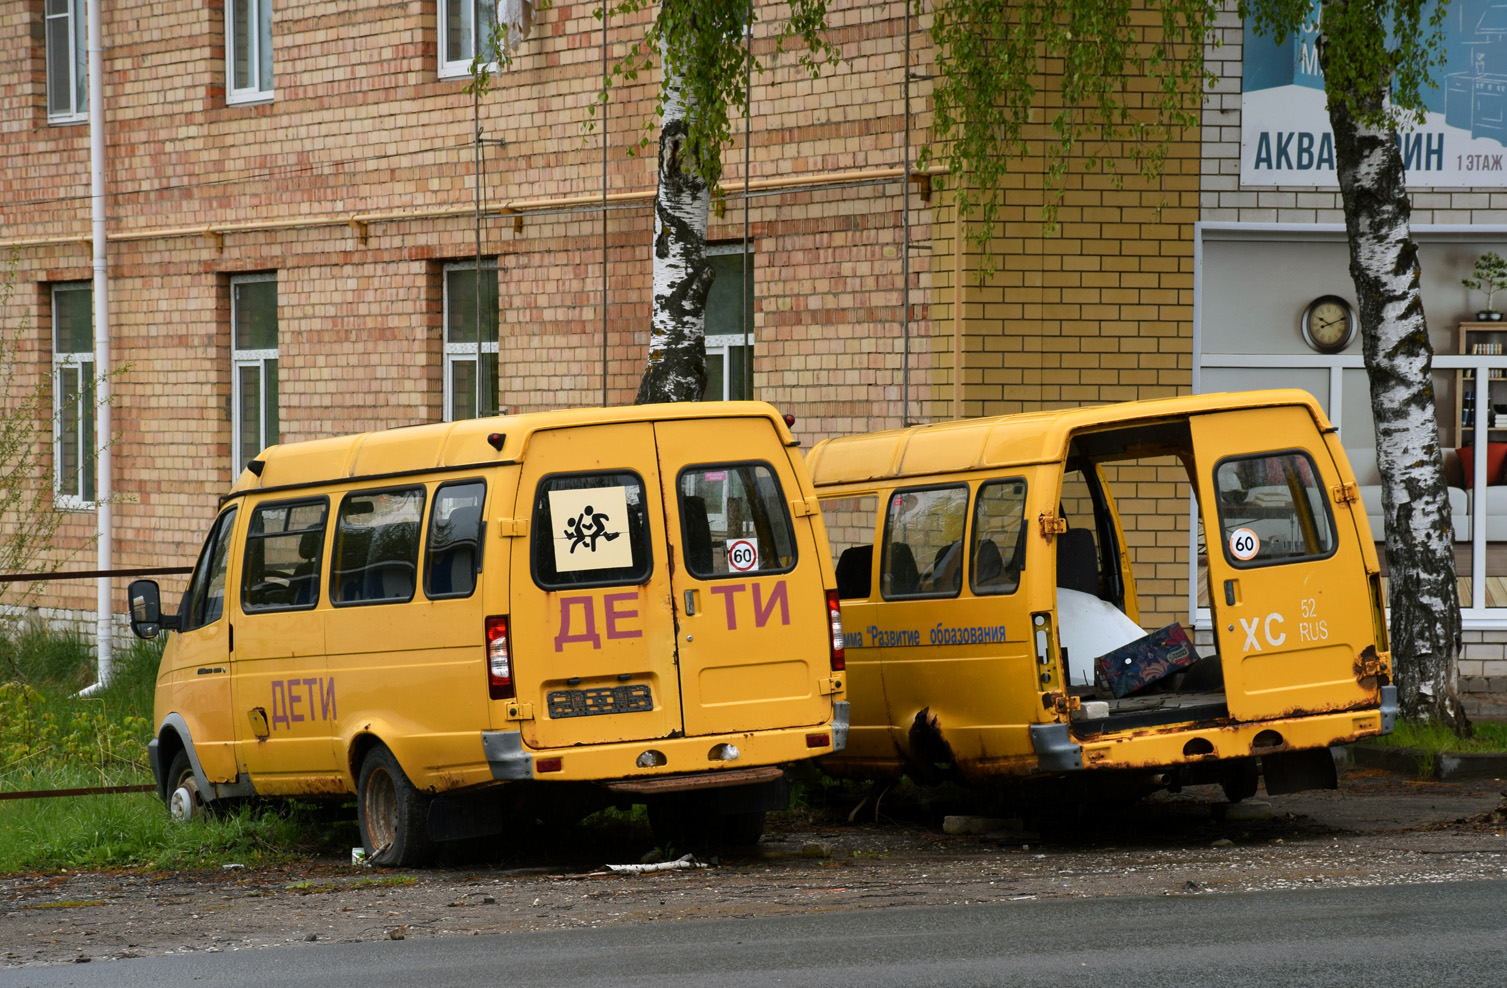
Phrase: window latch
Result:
[512,528]
[803,506]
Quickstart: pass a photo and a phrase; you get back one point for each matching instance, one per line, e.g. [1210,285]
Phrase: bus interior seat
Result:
[1078,561]
[697,535]
[855,572]
[904,578]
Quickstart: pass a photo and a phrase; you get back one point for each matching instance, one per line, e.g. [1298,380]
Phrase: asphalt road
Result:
[1412,935]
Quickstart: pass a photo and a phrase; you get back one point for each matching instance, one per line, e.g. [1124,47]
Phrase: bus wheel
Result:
[184,801]
[742,829]
[682,821]
[394,816]
[1240,780]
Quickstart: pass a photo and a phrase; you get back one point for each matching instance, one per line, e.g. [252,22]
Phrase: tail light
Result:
[834,611]
[499,663]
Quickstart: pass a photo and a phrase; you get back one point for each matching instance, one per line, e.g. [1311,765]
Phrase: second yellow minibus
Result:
[1014,590]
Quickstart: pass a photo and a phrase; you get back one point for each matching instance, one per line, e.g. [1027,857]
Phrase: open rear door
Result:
[1287,580]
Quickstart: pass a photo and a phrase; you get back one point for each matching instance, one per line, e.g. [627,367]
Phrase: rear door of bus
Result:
[592,628]
[1286,572]
[755,635]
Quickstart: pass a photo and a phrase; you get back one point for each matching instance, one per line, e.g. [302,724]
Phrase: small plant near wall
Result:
[1488,278]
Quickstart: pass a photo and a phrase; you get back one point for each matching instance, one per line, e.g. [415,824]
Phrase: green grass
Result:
[51,738]
[1487,737]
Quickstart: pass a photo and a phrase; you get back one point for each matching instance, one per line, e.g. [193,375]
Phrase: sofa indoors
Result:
[1368,478]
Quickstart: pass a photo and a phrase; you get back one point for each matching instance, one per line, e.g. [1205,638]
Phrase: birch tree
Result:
[706,64]
[1377,57]
[675,369]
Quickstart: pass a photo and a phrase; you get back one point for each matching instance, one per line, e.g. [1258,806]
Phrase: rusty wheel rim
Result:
[381,810]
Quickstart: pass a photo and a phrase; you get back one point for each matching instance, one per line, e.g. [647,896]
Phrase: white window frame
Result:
[457,64]
[72,492]
[459,353]
[66,17]
[720,343]
[248,359]
[260,49]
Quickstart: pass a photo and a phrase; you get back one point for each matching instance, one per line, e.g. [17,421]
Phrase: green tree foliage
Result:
[703,44]
[1378,56]
[1127,80]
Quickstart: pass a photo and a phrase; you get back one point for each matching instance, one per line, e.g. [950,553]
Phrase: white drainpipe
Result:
[102,435]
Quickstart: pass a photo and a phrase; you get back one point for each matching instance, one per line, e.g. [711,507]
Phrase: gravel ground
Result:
[1375,830]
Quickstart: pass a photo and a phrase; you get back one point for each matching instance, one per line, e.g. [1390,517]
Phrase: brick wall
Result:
[361,124]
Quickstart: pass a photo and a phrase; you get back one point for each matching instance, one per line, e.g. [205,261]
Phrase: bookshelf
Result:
[1481,338]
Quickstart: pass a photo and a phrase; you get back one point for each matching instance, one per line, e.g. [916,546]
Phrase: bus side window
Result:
[204,603]
[453,549]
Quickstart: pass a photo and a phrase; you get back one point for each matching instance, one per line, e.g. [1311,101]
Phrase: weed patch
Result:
[1435,738]
[51,738]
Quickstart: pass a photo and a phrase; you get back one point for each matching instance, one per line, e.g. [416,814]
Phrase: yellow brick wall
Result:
[1097,310]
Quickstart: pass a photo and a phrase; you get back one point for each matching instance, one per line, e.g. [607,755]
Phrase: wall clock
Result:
[1328,324]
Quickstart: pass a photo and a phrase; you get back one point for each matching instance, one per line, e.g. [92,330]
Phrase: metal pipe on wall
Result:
[104,643]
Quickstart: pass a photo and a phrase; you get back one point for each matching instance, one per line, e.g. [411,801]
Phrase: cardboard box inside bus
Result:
[532,614]
[985,567]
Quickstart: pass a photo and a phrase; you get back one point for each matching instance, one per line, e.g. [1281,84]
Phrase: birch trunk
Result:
[1425,631]
[676,367]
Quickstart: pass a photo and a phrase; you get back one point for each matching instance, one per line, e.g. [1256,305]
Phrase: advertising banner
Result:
[1284,125]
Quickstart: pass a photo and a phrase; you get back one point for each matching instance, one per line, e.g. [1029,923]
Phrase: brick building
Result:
[292,242]
[292,198]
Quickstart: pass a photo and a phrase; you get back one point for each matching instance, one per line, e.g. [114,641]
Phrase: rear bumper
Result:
[510,759]
[1179,746]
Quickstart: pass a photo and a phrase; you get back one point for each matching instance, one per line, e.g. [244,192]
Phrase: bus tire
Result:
[742,829]
[184,801]
[1240,780]
[393,815]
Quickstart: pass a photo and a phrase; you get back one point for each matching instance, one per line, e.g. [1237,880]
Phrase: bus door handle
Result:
[690,603]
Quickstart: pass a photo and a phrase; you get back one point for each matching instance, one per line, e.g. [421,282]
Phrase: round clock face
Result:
[1328,324]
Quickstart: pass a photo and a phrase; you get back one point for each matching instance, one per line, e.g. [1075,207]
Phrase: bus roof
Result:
[463,444]
[1013,440]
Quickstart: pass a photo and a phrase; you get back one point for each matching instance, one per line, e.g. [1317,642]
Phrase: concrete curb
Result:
[1413,761]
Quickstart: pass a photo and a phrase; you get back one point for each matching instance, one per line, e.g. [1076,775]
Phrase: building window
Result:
[464,25]
[248,50]
[67,61]
[463,392]
[73,393]
[729,312]
[253,330]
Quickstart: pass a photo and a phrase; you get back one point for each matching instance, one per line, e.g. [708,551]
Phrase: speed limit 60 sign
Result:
[1244,544]
[743,555]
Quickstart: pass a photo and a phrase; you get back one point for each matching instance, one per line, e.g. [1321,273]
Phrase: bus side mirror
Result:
[146,609]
